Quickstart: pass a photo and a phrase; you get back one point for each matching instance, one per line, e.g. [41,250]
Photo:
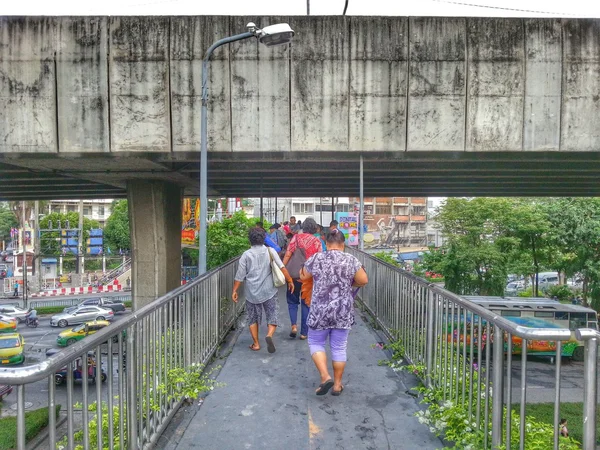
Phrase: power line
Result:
[502,8]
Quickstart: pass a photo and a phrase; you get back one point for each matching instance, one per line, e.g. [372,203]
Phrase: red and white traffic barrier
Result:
[79,291]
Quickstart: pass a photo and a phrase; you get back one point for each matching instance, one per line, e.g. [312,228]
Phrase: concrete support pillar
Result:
[155,223]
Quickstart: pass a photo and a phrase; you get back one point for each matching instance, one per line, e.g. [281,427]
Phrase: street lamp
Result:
[270,36]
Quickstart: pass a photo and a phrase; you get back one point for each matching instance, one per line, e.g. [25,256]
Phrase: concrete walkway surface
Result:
[268,401]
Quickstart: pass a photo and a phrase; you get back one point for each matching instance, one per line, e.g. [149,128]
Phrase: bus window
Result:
[592,325]
[544,314]
[577,320]
[561,315]
[510,313]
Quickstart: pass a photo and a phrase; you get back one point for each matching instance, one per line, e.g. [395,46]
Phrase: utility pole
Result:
[80,244]
[37,266]
[24,257]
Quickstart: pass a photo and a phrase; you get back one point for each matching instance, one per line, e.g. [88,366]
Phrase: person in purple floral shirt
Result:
[332,307]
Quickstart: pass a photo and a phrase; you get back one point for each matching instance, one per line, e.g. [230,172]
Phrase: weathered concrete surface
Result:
[495,84]
[581,85]
[155,223]
[90,98]
[378,79]
[123,84]
[82,94]
[27,85]
[269,399]
[543,84]
[139,84]
[436,118]
[190,38]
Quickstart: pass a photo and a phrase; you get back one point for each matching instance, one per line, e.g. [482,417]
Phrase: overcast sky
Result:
[490,8]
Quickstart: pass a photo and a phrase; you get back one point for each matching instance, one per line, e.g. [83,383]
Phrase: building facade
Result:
[92,209]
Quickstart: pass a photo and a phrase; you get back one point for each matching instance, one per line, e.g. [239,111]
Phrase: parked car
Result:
[546,279]
[14,311]
[69,337]
[3,271]
[514,287]
[98,301]
[8,324]
[12,348]
[5,389]
[81,314]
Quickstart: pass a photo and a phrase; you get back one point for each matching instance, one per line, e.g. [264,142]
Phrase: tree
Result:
[474,258]
[575,225]
[228,239]
[116,230]
[528,222]
[8,220]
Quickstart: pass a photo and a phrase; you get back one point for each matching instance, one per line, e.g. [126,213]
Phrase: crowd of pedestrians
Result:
[322,281]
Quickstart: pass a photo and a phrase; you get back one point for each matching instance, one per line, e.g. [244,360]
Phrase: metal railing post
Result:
[132,404]
[498,386]
[429,344]
[590,394]
[187,332]
[21,417]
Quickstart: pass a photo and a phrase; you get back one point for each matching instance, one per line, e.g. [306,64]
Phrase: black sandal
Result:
[336,393]
[324,387]
[293,334]
[270,345]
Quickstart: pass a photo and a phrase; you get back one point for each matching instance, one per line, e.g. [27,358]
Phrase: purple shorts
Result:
[338,341]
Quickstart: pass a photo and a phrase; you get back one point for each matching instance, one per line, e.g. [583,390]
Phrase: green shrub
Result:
[562,292]
[386,257]
[35,421]
[50,309]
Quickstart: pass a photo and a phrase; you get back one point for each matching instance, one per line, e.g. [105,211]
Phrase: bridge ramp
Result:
[269,400]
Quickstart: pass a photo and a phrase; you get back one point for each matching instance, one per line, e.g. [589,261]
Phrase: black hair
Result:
[256,236]
[333,222]
[335,237]
[292,217]
[563,421]
[309,226]
[260,224]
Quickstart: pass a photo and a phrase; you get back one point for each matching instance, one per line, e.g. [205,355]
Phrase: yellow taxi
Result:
[7,324]
[12,346]
[68,337]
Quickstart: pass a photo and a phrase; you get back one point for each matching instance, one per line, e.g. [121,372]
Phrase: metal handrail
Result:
[39,371]
[468,361]
[514,329]
[506,325]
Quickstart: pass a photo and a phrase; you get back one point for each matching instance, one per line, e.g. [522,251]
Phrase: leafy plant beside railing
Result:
[456,420]
[181,383]
[188,382]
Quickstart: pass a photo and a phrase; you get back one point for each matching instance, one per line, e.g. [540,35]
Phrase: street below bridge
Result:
[37,342]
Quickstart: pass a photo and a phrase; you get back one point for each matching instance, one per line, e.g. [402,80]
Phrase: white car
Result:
[85,313]
[14,311]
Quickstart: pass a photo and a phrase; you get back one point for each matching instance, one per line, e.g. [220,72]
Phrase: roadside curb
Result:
[42,436]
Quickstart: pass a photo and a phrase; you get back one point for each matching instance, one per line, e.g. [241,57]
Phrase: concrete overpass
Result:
[110,106]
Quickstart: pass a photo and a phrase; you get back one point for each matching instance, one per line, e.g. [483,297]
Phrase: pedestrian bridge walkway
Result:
[268,400]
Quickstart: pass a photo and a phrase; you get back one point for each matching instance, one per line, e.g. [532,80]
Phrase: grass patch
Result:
[50,309]
[573,412]
[35,421]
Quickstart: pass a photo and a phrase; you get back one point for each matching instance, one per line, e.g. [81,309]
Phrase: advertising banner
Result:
[348,224]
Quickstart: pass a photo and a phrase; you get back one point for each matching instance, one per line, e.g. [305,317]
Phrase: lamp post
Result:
[270,36]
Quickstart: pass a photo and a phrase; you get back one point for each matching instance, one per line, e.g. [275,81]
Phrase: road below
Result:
[37,342]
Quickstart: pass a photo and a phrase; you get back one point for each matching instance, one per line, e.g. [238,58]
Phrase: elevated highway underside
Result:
[252,174]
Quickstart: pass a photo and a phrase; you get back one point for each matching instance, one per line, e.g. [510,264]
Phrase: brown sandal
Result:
[302,337]
[254,349]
